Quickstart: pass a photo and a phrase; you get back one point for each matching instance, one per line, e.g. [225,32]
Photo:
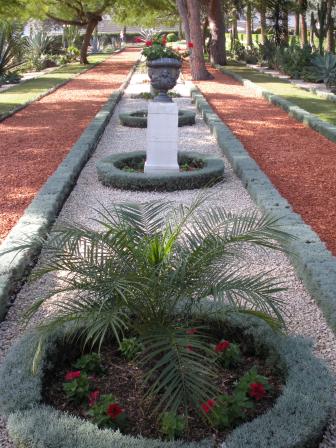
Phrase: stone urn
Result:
[163,74]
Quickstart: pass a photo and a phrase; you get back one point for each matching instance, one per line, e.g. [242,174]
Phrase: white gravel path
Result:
[303,315]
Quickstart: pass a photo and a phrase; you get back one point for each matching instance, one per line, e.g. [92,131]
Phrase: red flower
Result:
[149,43]
[138,40]
[256,391]
[164,40]
[72,375]
[190,348]
[222,346]
[208,406]
[190,45]
[192,331]
[114,410]
[93,397]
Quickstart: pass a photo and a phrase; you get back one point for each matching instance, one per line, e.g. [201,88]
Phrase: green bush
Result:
[172,37]
[323,68]
[12,47]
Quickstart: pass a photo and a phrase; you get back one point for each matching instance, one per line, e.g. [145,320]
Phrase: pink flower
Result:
[138,40]
[93,397]
[149,43]
[208,406]
[72,375]
[222,346]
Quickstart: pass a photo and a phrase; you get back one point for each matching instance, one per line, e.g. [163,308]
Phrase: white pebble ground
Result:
[303,315]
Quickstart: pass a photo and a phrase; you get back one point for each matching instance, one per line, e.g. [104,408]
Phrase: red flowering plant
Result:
[254,385]
[76,386]
[106,412]
[156,48]
[228,354]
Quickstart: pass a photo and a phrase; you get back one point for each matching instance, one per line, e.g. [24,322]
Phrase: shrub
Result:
[11,48]
[323,68]
[172,37]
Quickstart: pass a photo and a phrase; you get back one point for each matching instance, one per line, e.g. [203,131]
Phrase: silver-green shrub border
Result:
[314,263]
[185,118]
[297,419]
[110,175]
[42,211]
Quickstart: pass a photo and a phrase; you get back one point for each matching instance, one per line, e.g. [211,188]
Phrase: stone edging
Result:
[314,264]
[326,129]
[42,211]
[49,91]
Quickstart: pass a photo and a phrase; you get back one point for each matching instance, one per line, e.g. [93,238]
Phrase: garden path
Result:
[299,161]
[35,140]
[302,314]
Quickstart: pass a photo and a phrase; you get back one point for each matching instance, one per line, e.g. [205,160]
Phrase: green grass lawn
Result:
[324,109]
[29,90]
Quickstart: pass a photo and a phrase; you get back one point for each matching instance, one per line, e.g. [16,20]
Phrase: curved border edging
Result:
[111,176]
[296,420]
[326,129]
[185,118]
[314,263]
[42,211]
[6,115]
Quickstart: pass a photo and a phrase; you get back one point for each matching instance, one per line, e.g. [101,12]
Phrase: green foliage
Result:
[148,264]
[156,49]
[77,390]
[293,60]
[90,364]
[173,425]
[238,50]
[130,348]
[323,68]
[250,377]
[11,47]
[229,409]
[107,413]
[172,37]
[38,54]
[231,357]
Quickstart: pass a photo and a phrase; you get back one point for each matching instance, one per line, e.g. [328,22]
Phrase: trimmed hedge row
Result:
[110,175]
[138,118]
[296,420]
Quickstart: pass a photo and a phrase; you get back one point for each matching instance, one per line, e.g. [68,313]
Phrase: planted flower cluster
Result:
[156,48]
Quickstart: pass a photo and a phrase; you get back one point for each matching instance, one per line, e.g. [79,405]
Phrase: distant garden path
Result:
[300,162]
[35,140]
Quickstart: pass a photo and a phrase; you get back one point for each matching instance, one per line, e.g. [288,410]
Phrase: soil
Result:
[35,140]
[138,167]
[299,161]
[123,379]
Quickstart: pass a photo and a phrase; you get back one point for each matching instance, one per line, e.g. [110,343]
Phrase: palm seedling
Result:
[151,270]
[11,46]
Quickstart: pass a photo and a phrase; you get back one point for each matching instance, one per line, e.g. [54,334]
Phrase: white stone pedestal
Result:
[162,135]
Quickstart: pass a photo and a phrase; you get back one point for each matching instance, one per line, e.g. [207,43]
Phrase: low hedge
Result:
[110,175]
[138,118]
[296,420]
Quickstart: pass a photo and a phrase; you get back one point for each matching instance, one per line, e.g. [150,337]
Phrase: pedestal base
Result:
[162,136]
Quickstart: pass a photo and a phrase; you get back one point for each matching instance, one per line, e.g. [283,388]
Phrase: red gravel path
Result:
[34,141]
[300,162]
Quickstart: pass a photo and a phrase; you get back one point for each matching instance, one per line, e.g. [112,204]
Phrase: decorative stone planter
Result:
[110,173]
[163,74]
[138,118]
[297,419]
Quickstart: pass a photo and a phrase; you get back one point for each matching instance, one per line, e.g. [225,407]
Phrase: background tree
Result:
[217,48]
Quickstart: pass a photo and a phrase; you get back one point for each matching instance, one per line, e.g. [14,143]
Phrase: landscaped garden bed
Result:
[138,119]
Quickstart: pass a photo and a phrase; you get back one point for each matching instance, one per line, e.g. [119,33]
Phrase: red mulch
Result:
[300,162]
[35,140]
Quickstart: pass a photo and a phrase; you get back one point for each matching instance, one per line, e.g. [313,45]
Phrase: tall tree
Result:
[82,13]
[217,30]
[249,41]
[198,68]
[331,26]
[183,11]
[303,28]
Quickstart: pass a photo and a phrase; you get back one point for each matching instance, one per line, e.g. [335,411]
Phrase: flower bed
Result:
[110,173]
[296,420]
[138,119]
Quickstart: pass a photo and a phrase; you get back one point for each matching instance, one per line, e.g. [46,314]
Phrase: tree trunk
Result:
[249,42]
[284,24]
[330,24]
[86,41]
[205,25]
[312,34]
[217,30]
[183,11]
[303,29]
[198,69]
[297,24]
[263,32]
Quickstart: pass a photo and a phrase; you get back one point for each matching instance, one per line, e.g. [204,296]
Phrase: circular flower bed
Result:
[296,420]
[138,119]
[112,172]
